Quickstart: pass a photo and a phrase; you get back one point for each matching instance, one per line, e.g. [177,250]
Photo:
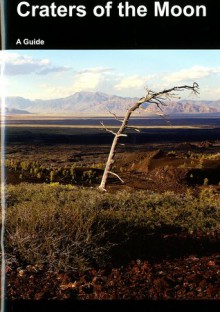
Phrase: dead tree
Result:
[157,98]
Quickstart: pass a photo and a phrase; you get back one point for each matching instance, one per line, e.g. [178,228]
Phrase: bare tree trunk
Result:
[151,97]
[111,156]
[109,164]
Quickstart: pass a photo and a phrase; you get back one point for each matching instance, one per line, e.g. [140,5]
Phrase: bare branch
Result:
[164,117]
[115,116]
[115,174]
[132,128]
[158,102]
[194,88]
[108,130]
[159,97]
[141,100]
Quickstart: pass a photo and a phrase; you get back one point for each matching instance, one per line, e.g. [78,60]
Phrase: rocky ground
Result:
[192,276]
[189,278]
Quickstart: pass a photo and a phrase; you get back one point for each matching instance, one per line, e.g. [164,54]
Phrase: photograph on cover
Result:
[112,174]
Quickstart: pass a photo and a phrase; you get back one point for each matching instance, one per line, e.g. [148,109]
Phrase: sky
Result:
[49,74]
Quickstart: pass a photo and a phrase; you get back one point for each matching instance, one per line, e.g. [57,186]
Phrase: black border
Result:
[123,305]
[114,32]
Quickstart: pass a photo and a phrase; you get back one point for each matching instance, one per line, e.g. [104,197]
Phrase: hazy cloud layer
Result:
[16,64]
[193,73]
[126,76]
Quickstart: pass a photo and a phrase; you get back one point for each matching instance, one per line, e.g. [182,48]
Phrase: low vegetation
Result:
[66,227]
[34,171]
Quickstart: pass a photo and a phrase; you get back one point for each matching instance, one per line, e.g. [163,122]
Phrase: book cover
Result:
[110,155]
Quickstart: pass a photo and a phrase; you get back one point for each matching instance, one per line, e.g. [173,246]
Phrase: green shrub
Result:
[67,227]
[47,225]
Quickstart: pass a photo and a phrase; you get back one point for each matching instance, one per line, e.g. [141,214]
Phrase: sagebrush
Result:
[66,227]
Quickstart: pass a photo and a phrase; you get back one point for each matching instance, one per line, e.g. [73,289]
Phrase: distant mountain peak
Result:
[14,111]
[100,103]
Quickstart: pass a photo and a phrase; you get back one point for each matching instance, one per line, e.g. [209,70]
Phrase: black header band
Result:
[103,24]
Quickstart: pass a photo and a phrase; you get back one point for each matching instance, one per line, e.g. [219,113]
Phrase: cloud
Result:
[87,81]
[96,70]
[49,70]
[16,64]
[210,92]
[50,91]
[133,81]
[193,73]
[90,79]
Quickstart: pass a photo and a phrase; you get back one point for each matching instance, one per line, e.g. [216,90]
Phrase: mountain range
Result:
[15,111]
[98,103]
